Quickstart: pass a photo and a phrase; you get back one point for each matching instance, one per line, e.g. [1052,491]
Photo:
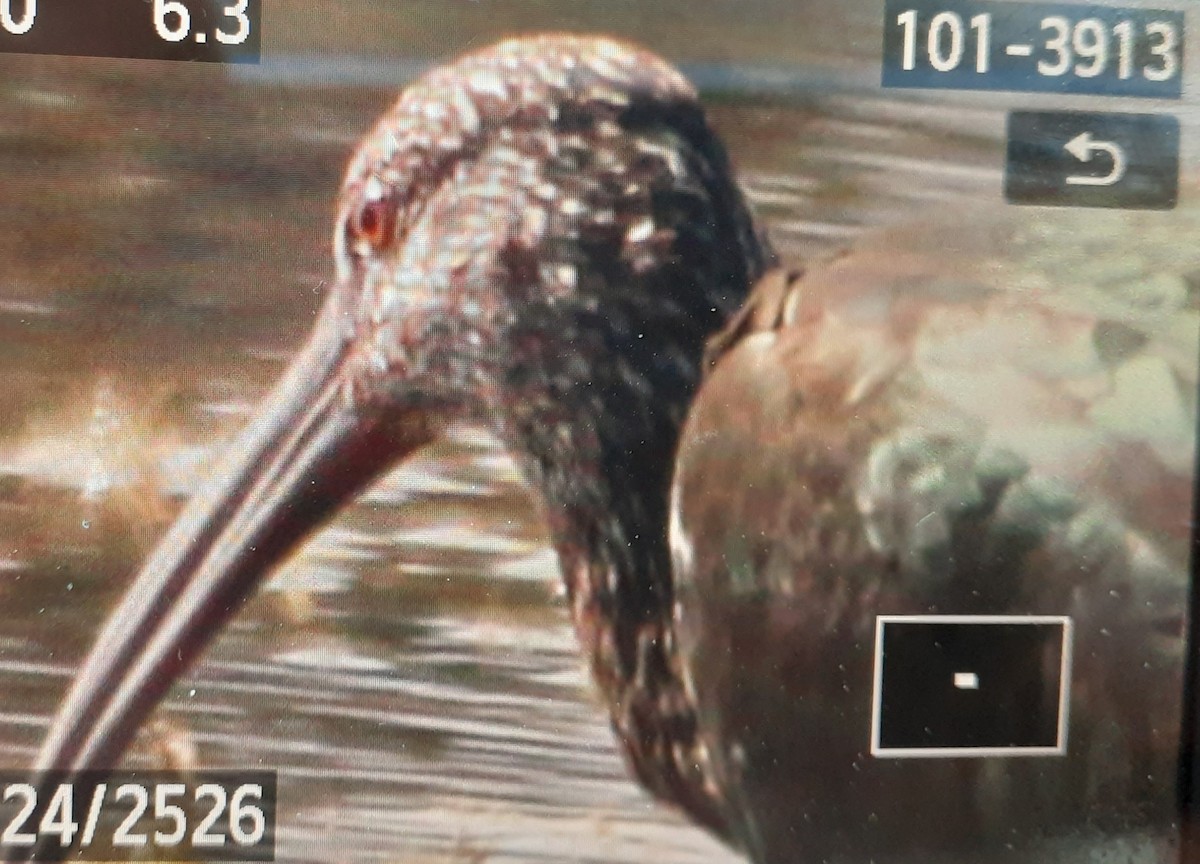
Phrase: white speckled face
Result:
[517,88]
[491,187]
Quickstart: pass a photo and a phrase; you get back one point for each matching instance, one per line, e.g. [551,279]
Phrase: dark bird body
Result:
[545,238]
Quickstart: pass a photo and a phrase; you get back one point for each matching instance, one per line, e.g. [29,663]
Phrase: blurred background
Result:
[164,241]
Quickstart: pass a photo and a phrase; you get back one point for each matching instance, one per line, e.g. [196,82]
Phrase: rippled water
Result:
[411,673]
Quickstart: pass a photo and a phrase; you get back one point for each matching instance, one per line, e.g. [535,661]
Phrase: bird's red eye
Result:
[374,222]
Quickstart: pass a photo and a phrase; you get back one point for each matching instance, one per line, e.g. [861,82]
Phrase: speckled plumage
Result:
[560,199]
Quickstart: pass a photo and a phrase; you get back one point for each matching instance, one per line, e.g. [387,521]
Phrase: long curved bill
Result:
[305,454]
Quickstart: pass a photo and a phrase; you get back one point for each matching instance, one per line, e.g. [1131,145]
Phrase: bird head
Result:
[528,219]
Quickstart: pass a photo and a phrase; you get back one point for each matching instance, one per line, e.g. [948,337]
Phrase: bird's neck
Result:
[604,468]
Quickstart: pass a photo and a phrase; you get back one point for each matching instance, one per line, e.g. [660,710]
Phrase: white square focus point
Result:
[966,680]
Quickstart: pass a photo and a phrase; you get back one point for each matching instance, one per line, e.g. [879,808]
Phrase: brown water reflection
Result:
[411,674]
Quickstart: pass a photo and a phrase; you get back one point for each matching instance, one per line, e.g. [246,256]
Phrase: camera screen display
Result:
[523,431]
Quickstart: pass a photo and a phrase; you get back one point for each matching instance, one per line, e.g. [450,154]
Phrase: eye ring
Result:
[374,222]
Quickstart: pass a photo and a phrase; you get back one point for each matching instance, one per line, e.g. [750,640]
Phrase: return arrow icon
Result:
[1083,147]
